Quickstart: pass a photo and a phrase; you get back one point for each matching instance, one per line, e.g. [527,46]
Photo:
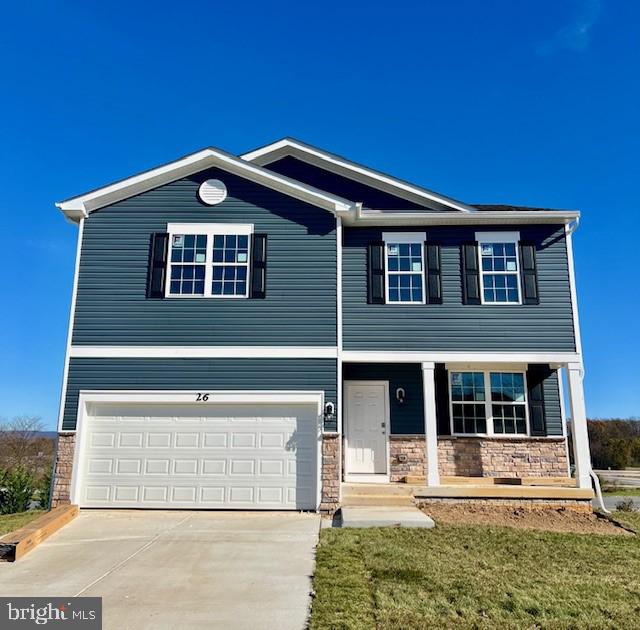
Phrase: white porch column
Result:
[581,453]
[430,423]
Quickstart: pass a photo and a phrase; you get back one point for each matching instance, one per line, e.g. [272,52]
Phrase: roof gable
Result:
[78,207]
[420,197]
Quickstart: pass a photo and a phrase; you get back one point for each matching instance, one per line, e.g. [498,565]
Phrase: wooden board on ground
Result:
[15,544]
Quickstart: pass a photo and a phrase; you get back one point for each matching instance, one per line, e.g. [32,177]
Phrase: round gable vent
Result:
[212,192]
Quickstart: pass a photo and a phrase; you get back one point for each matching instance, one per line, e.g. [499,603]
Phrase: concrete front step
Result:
[384,516]
[378,489]
[353,500]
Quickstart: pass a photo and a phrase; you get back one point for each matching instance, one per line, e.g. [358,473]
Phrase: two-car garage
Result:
[190,450]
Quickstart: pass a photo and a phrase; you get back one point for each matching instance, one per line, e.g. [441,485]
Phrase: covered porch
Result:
[484,425]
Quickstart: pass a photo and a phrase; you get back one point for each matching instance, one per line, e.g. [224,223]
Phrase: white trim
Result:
[72,316]
[484,217]
[346,168]
[488,402]
[516,366]
[404,238]
[209,230]
[581,452]
[339,320]
[432,471]
[87,397]
[374,356]
[563,415]
[79,206]
[572,288]
[499,237]
[387,426]
[205,352]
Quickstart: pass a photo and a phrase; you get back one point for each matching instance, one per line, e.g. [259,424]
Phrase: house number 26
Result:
[202,397]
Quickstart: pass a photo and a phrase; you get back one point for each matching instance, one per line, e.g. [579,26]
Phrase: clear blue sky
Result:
[532,103]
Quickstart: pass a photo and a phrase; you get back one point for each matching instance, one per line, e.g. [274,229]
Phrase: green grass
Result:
[623,492]
[10,522]
[476,577]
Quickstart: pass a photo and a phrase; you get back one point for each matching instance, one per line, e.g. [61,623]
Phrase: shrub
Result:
[43,490]
[626,505]
[17,487]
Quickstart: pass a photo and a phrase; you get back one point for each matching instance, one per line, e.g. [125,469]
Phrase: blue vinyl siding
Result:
[300,306]
[339,185]
[197,374]
[408,417]
[452,325]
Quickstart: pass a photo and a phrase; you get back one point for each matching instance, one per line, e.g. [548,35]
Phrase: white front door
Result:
[366,423]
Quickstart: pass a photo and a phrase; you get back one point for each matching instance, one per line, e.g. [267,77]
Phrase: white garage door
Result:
[244,456]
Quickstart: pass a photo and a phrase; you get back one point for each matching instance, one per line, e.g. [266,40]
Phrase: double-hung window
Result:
[499,267]
[488,403]
[404,265]
[209,260]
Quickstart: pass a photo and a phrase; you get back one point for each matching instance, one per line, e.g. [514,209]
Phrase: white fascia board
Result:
[372,356]
[378,217]
[194,163]
[341,166]
[206,352]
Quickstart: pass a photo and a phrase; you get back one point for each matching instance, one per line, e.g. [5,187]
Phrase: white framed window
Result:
[499,267]
[208,260]
[404,267]
[488,403]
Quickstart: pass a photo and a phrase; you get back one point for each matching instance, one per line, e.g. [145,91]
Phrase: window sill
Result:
[479,436]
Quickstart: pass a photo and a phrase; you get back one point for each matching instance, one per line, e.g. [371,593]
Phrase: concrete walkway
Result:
[384,516]
[157,569]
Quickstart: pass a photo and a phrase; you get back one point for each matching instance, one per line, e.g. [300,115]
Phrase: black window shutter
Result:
[259,266]
[375,272]
[442,400]
[529,274]
[470,274]
[536,375]
[156,277]
[433,273]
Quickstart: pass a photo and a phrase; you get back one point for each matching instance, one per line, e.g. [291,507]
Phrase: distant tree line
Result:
[615,443]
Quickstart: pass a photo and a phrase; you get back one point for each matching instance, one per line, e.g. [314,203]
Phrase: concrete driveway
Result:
[157,569]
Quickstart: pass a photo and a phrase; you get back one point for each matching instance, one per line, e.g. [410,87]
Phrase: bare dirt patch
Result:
[546,519]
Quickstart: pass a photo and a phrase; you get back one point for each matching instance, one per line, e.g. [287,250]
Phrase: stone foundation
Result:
[330,475]
[480,457]
[63,467]
[502,457]
[407,456]
[576,505]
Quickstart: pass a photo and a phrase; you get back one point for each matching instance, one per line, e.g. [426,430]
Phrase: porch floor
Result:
[398,494]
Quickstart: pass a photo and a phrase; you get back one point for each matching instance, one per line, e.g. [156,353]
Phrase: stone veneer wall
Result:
[63,467]
[330,474]
[411,448]
[481,457]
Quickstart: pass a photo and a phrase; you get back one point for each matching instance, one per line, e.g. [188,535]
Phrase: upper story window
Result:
[404,265]
[488,403]
[208,260]
[499,267]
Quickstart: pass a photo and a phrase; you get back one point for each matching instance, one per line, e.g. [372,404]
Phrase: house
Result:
[262,331]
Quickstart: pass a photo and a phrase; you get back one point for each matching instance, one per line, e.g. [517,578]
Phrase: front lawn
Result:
[476,577]
[621,491]
[10,522]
